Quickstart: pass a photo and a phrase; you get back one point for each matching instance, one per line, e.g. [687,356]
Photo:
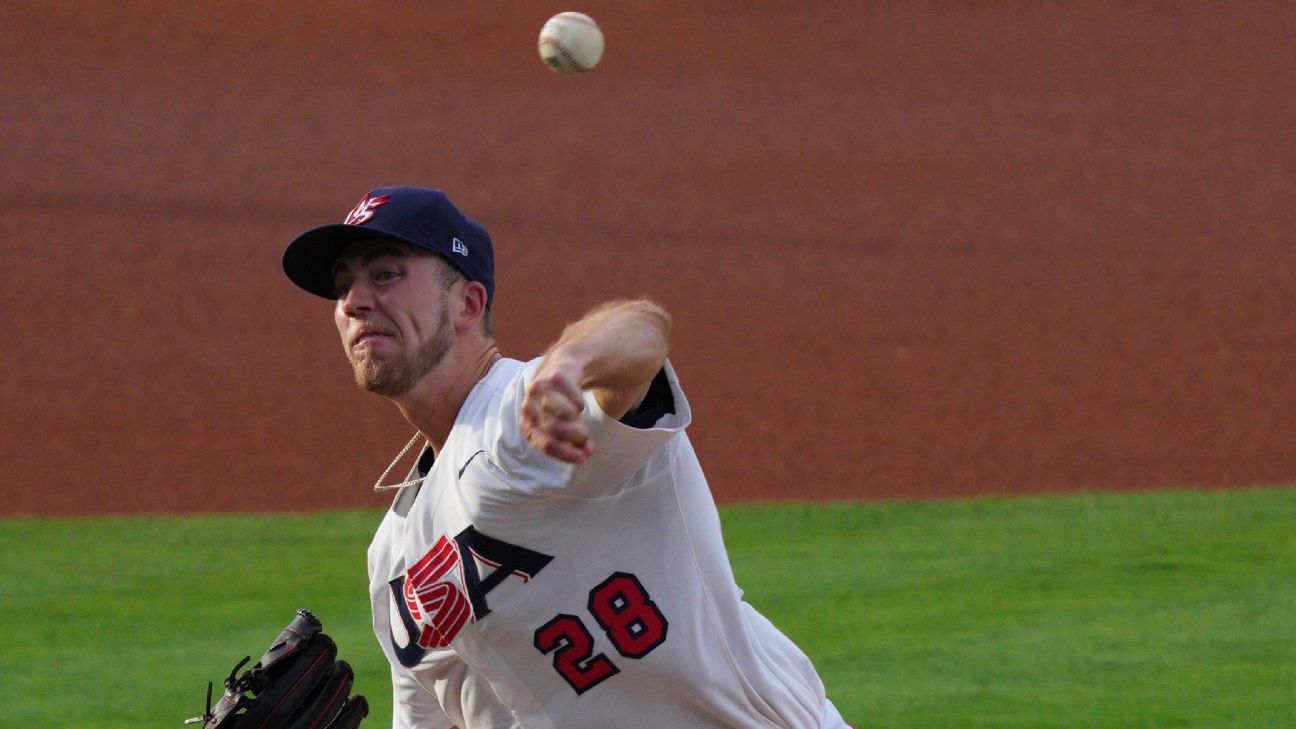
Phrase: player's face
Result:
[392,314]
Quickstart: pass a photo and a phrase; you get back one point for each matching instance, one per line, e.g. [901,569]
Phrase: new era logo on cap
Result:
[458,247]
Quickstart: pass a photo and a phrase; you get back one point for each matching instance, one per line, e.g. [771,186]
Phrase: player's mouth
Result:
[370,337]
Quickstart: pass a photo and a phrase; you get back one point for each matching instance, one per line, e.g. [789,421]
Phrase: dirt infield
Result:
[919,249]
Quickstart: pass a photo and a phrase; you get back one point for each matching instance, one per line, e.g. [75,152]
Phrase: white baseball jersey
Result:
[511,589]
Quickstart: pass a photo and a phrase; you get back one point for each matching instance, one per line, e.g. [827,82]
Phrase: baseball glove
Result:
[297,684]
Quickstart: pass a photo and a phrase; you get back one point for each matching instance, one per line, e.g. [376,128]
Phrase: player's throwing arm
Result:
[614,351]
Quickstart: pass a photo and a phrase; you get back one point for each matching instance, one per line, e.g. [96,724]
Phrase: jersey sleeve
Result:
[620,449]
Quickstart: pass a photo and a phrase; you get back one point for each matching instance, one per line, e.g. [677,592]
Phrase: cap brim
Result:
[308,259]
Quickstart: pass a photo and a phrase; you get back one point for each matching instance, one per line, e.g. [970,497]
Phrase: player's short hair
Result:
[451,276]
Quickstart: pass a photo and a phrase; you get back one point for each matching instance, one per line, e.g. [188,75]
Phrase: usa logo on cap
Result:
[364,210]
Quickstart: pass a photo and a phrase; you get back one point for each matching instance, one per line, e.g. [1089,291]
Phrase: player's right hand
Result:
[551,414]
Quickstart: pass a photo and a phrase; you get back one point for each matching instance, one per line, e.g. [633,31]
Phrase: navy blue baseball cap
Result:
[419,216]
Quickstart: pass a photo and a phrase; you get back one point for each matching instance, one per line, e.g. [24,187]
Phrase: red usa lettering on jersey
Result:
[436,601]
[364,210]
[443,592]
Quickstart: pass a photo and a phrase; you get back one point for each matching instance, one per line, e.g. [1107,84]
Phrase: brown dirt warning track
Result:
[912,249]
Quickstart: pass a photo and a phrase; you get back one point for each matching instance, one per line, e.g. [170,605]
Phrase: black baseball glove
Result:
[297,684]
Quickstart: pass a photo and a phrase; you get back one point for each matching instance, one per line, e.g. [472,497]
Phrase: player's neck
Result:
[433,404]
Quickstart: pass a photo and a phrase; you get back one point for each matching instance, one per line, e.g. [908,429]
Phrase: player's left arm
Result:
[614,352]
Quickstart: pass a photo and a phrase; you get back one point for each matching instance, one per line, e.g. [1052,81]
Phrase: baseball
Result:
[571,43]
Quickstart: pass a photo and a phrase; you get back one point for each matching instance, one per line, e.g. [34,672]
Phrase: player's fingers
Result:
[567,452]
[558,395]
[567,442]
[573,432]
[529,418]
[558,405]
[544,420]
[529,408]
[550,419]
[569,391]
[540,404]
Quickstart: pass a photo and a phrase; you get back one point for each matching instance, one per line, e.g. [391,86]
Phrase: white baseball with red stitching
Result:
[571,43]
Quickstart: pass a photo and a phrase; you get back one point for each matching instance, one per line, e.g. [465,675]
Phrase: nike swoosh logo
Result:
[467,462]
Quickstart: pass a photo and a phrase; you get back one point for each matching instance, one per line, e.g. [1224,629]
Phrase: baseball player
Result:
[554,560]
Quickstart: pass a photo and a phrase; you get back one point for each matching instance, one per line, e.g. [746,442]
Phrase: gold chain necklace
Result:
[379,487]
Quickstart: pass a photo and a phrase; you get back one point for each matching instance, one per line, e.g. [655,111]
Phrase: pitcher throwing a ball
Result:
[554,560]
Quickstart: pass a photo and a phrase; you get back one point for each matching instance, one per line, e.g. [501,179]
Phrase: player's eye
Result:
[385,275]
[340,289]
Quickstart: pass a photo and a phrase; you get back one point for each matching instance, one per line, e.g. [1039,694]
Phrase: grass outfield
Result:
[1159,609]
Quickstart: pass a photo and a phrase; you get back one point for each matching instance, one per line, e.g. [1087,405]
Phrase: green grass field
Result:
[1159,609]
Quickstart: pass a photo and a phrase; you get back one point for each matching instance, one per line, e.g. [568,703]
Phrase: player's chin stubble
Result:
[396,376]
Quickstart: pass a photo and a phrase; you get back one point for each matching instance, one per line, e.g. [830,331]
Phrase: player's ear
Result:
[472,306]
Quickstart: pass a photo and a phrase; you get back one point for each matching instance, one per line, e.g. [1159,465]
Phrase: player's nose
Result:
[358,298]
